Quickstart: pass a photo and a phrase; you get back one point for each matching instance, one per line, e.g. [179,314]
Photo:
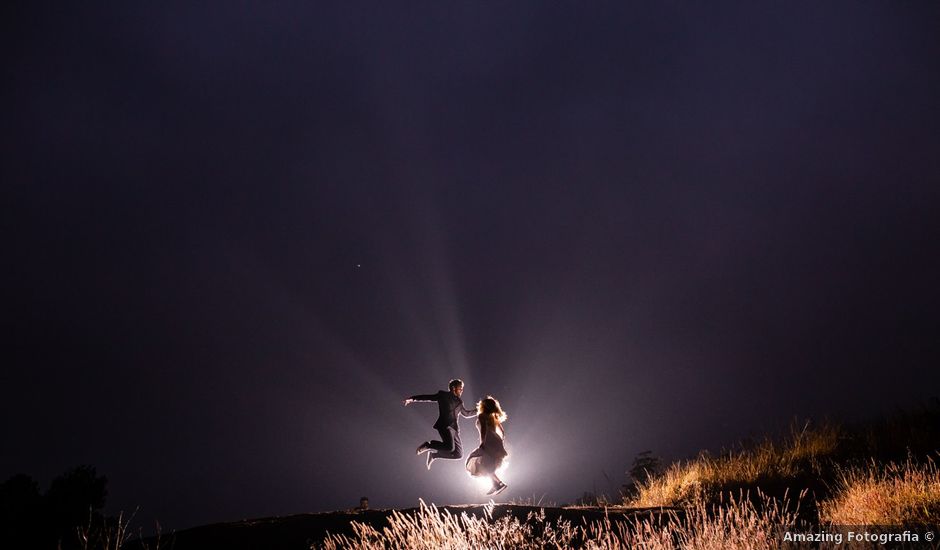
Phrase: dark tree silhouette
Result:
[645,465]
[73,499]
[20,511]
[50,521]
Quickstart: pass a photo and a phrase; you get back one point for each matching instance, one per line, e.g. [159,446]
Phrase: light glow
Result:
[485,483]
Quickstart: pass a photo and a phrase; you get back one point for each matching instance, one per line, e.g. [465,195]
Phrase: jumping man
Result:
[450,406]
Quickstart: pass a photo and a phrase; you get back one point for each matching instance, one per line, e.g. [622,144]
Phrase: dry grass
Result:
[113,534]
[894,494]
[430,528]
[730,525]
[706,477]
[735,524]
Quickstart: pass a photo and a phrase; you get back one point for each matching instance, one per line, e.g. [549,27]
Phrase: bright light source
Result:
[485,483]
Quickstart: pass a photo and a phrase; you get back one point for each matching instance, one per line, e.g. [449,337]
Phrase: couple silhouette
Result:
[485,459]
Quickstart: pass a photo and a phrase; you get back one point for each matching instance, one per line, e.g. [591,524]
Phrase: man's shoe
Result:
[431,459]
[423,448]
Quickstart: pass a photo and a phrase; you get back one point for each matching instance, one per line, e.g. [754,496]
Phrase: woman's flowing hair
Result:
[489,412]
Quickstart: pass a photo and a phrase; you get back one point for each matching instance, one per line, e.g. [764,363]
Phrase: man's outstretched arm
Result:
[420,399]
[467,413]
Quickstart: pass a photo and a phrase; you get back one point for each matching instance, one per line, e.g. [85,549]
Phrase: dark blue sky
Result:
[237,235]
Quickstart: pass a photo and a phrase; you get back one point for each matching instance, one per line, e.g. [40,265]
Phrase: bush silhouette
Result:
[50,521]
[20,511]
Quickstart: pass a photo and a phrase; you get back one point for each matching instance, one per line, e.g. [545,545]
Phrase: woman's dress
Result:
[488,457]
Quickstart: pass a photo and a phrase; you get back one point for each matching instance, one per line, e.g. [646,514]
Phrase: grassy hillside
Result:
[823,463]
[818,476]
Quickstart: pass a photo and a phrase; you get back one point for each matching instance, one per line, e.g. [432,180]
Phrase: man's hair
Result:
[455,383]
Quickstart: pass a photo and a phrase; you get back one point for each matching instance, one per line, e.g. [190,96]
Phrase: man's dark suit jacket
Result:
[449,406]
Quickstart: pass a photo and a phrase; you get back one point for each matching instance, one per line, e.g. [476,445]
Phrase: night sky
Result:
[236,236]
